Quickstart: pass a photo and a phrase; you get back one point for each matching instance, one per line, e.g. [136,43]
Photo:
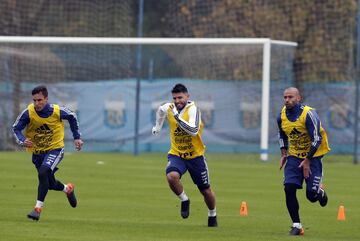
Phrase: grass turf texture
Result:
[122,197]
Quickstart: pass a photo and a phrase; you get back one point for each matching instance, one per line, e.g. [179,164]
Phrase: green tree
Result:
[324,29]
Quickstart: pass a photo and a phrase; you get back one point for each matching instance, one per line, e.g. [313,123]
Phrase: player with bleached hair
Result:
[303,143]
[44,137]
[187,150]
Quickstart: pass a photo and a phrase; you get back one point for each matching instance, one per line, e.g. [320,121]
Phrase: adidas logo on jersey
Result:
[179,132]
[44,129]
[296,134]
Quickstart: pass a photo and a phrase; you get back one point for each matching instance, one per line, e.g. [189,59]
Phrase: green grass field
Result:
[122,197]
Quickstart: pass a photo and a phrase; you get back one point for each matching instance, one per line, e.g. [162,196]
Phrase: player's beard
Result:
[180,106]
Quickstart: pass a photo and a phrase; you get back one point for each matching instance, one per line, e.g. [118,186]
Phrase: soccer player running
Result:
[303,143]
[187,150]
[44,137]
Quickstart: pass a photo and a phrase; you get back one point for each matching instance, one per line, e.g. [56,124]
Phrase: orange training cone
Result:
[341,213]
[243,209]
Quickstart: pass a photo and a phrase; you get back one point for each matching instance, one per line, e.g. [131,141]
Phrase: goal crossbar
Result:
[147,41]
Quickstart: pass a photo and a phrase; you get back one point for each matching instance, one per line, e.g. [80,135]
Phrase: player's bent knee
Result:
[43,172]
[173,171]
[52,185]
[204,188]
[290,188]
[173,176]
[311,196]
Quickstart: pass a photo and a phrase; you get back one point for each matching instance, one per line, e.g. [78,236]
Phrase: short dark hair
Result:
[179,88]
[40,88]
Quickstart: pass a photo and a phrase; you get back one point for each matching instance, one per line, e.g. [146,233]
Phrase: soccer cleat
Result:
[212,221]
[323,198]
[296,231]
[35,214]
[185,208]
[70,193]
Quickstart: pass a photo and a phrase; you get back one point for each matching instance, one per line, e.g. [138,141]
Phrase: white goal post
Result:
[265,42]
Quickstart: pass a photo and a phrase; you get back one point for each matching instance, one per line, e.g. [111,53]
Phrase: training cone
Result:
[341,213]
[243,209]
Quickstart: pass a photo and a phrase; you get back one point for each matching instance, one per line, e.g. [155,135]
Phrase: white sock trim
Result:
[183,196]
[212,213]
[65,188]
[39,204]
[297,225]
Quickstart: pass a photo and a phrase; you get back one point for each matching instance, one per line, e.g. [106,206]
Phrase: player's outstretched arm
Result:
[70,116]
[20,123]
[160,118]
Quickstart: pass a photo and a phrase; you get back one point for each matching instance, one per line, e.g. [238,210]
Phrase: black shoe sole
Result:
[324,200]
[296,232]
[213,225]
[185,209]
[323,203]
[212,222]
[33,218]
[72,200]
